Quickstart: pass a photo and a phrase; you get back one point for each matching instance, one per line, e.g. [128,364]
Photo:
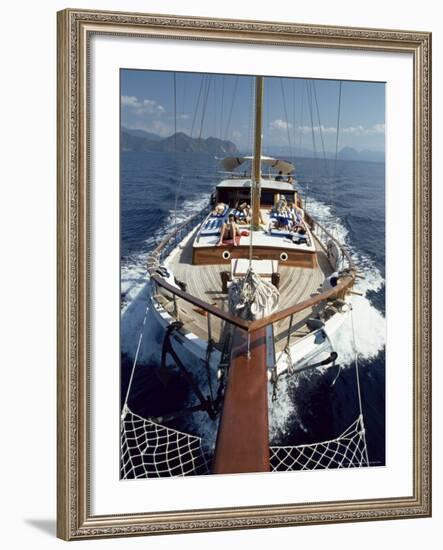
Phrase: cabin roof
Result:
[265,184]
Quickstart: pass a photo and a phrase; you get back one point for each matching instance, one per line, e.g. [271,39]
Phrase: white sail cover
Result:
[231,163]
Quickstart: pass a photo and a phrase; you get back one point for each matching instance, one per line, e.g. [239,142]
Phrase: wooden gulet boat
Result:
[192,271]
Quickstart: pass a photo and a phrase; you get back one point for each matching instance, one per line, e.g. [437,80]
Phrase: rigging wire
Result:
[228,124]
[184,93]
[301,119]
[222,106]
[205,103]
[214,110]
[175,111]
[320,127]
[338,126]
[251,143]
[314,144]
[294,125]
[357,375]
[177,189]
[203,78]
[286,116]
[334,174]
[134,364]
[326,169]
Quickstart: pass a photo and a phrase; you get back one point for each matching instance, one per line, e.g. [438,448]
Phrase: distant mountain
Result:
[349,153]
[139,140]
[141,133]
[346,153]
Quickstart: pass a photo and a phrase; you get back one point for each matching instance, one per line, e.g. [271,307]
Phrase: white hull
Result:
[314,347]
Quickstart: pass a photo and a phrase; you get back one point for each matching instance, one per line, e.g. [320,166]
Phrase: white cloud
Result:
[378,128]
[155,126]
[362,131]
[353,130]
[142,107]
[280,125]
[324,129]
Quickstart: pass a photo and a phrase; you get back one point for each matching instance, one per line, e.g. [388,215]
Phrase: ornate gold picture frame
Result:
[75,31]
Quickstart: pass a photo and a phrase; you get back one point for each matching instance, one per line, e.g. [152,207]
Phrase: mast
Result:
[256,173]
[243,434]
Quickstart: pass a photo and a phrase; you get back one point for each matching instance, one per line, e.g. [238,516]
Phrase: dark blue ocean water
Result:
[349,198]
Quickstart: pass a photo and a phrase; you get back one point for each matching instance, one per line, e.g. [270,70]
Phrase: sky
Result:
[298,113]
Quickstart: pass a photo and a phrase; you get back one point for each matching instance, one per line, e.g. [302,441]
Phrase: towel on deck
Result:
[230,242]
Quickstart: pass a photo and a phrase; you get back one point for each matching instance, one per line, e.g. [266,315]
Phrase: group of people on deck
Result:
[287,216]
[280,177]
[230,230]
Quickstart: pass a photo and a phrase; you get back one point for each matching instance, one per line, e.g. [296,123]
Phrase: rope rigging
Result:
[194,117]
[222,106]
[286,117]
[204,105]
[320,127]
[301,126]
[357,376]
[177,190]
[228,124]
[334,174]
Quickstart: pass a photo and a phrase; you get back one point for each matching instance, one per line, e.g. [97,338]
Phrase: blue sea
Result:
[348,197]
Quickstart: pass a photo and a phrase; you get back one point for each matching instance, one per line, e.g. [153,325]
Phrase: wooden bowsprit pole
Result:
[243,435]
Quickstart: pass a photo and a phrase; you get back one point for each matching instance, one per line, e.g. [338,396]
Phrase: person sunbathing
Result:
[229,231]
[299,236]
[279,218]
[282,214]
[219,209]
[297,216]
[245,212]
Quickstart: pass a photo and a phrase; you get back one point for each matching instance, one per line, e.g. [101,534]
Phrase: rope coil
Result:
[252,298]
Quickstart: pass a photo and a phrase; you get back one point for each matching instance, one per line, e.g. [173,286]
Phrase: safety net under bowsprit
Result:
[149,450]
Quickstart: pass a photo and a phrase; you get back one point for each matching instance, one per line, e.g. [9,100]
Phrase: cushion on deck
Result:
[212,226]
[238,214]
[290,234]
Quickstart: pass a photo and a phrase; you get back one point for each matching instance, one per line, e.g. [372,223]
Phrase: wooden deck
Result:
[205,283]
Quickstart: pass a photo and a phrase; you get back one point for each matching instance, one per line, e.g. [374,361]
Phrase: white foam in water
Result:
[134,275]
[369,323]
[283,408]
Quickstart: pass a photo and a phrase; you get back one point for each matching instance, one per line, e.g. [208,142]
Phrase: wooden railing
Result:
[320,232]
[172,240]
